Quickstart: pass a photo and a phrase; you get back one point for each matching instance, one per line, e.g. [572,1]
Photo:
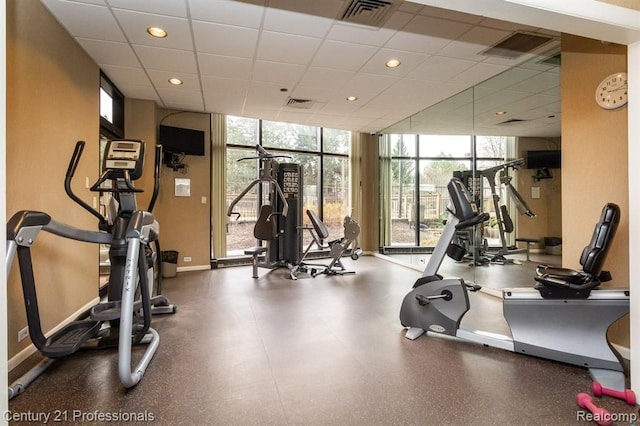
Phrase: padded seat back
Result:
[318,225]
[265,228]
[594,255]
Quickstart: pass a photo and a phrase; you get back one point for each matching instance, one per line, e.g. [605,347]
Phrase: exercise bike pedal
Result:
[473,287]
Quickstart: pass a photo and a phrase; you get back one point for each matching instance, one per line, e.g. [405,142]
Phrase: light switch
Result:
[203,200]
[535,192]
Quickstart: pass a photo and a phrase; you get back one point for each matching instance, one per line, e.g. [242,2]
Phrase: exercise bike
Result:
[124,319]
[565,317]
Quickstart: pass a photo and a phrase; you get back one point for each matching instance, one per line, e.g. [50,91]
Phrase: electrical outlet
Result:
[23,334]
[187,259]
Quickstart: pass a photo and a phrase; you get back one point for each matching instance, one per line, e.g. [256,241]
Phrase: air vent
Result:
[554,60]
[369,12]
[517,45]
[511,122]
[299,103]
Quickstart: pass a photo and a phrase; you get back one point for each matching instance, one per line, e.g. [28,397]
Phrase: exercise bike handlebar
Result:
[71,170]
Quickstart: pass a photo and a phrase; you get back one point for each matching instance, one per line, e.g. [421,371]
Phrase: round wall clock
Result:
[611,93]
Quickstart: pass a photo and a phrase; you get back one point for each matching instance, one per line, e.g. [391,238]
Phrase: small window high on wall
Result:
[111,109]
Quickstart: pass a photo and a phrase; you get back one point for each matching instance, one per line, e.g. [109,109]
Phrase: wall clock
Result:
[611,93]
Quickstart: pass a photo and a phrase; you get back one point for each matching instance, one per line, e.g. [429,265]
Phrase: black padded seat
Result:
[555,282]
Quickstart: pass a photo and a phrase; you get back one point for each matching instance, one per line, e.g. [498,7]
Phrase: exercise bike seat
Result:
[555,282]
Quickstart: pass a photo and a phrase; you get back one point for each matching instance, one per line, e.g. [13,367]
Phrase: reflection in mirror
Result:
[496,122]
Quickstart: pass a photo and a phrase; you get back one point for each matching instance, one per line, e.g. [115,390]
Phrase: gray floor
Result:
[328,350]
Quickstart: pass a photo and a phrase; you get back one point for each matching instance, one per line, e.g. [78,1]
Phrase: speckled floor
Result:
[329,350]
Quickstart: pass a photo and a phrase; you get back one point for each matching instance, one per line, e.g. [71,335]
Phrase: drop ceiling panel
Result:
[451,15]
[141,92]
[324,8]
[225,39]
[133,76]
[171,8]
[135,24]
[86,20]
[220,48]
[288,48]
[277,72]
[360,34]
[110,52]
[326,78]
[343,56]
[156,58]
[224,66]
[230,12]
[363,82]
[296,23]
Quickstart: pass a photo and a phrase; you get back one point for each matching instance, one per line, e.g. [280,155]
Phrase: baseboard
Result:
[193,268]
[399,262]
[31,349]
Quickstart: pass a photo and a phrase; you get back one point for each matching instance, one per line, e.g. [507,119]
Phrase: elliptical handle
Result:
[75,159]
[157,166]
[71,170]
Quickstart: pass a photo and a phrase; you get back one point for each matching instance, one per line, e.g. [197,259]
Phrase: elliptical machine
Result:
[564,318]
[125,318]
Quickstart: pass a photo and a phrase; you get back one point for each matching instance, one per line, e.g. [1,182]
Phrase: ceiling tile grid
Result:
[238,56]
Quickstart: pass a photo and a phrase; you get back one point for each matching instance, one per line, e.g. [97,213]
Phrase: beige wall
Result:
[185,221]
[52,101]
[594,152]
[547,208]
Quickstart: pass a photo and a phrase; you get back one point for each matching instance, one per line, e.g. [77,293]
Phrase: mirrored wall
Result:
[487,136]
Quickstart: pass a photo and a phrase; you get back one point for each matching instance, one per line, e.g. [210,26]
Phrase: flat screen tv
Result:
[543,159]
[177,140]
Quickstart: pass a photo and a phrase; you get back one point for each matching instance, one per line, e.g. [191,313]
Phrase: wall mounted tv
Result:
[543,159]
[177,140]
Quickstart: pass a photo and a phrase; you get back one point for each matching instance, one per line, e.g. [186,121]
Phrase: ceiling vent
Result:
[369,12]
[517,45]
[555,60]
[299,103]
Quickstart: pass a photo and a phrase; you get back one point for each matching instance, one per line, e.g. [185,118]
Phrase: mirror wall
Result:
[483,136]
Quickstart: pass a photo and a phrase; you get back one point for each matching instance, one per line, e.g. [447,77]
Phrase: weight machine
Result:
[279,221]
[473,237]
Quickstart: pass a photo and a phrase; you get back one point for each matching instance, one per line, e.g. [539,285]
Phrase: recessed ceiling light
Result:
[157,32]
[392,63]
[501,112]
[352,98]
[175,81]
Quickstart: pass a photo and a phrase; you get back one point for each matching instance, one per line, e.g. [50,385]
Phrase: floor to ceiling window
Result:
[323,155]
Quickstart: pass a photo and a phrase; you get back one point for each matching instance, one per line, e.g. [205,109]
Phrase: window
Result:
[111,109]
[323,155]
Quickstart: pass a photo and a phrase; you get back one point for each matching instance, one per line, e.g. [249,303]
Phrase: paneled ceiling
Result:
[251,58]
